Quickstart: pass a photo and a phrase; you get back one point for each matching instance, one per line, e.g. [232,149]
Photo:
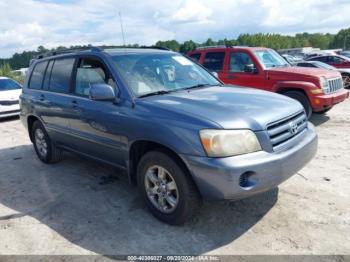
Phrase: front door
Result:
[242,71]
[96,124]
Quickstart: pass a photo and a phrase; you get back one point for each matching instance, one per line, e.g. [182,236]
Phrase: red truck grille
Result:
[334,85]
[282,131]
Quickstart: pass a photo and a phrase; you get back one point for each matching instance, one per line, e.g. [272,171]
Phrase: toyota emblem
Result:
[293,128]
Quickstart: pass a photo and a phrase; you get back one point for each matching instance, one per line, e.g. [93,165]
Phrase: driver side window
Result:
[241,62]
[90,71]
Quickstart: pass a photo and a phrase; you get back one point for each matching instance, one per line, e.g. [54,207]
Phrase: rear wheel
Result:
[302,98]
[167,189]
[44,147]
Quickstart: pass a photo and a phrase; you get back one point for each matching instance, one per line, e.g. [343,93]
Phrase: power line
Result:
[121,27]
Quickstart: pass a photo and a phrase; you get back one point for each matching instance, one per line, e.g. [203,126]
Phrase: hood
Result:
[344,70]
[10,95]
[297,72]
[228,106]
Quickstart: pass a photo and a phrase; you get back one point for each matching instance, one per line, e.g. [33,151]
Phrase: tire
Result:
[185,198]
[302,99]
[41,140]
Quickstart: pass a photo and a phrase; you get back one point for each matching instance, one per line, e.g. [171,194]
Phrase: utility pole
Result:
[121,27]
[344,47]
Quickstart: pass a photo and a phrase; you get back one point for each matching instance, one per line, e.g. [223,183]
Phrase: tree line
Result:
[275,41]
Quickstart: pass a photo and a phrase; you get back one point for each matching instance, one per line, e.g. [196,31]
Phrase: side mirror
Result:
[250,69]
[102,92]
[215,74]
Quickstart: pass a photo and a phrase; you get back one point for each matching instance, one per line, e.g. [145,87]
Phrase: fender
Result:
[305,86]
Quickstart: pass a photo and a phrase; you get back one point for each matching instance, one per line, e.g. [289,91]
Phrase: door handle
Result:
[42,98]
[231,76]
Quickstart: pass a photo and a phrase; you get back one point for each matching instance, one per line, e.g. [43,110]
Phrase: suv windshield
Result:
[270,58]
[8,84]
[147,74]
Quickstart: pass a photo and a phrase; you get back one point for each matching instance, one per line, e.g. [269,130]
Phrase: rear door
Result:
[95,125]
[51,95]
[214,61]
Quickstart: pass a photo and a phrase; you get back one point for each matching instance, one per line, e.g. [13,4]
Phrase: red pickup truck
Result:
[316,89]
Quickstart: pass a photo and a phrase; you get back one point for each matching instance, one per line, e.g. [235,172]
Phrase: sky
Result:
[27,24]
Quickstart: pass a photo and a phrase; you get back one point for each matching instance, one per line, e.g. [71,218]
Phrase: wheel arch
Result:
[30,121]
[286,89]
[141,147]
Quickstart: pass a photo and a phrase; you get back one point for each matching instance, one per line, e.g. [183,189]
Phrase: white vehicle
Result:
[10,91]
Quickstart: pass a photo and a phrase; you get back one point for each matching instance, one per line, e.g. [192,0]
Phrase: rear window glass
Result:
[195,57]
[36,80]
[61,75]
[47,75]
[214,61]
[8,84]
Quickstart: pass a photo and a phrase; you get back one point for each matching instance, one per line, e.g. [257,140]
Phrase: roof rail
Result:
[220,46]
[211,46]
[69,50]
[155,47]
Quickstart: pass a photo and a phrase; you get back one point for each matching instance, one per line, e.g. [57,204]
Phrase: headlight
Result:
[222,143]
[324,84]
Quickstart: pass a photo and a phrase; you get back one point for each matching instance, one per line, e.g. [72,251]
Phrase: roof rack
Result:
[211,46]
[220,46]
[69,50]
[155,47]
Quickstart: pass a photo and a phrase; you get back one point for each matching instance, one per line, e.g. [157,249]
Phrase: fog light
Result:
[247,181]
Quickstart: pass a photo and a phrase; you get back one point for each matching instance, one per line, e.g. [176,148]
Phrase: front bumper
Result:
[221,178]
[323,102]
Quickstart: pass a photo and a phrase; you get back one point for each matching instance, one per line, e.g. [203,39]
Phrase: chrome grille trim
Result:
[334,85]
[282,131]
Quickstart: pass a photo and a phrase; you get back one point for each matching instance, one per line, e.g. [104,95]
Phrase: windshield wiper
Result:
[159,92]
[197,86]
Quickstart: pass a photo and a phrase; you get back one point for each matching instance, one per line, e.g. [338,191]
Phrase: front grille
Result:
[9,112]
[9,102]
[334,85]
[282,131]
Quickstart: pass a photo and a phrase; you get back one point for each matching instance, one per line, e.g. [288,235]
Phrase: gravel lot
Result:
[80,207]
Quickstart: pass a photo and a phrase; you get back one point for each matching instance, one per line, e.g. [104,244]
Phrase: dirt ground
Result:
[80,207]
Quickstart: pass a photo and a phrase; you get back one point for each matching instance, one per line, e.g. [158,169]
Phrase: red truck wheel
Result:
[302,99]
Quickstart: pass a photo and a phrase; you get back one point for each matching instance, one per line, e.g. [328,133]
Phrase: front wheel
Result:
[167,189]
[302,99]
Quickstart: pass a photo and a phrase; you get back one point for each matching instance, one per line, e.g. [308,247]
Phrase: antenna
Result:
[121,27]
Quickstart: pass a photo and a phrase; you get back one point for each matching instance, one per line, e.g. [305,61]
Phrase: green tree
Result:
[188,46]
[341,39]
[171,44]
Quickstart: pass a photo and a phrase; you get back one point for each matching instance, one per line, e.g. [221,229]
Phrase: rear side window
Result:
[321,58]
[36,79]
[214,61]
[61,75]
[195,57]
[47,76]
[306,65]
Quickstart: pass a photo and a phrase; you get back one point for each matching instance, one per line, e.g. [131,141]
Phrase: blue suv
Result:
[178,133]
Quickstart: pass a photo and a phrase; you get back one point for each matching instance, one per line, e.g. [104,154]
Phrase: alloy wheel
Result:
[161,189]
